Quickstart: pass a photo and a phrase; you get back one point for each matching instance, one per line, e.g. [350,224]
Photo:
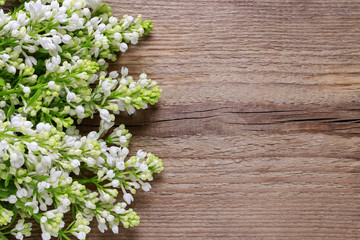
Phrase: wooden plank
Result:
[259,121]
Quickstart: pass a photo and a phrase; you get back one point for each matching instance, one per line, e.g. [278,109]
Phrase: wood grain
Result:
[259,121]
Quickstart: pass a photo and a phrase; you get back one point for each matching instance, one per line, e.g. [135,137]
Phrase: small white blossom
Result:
[36,9]
[81,235]
[51,85]
[80,111]
[71,97]
[53,63]
[12,199]
[66,38]
[128,198]
[105,115]
[94,4]
[143,167]
[42,186]
[146,187]
[21,193]
[141,154]
[118,37]
[45,236]
[115,229]
[30,60]
[110,174]
[33,146]
[123,47]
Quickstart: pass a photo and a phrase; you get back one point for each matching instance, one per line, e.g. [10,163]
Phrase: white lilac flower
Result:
[54,58]
[146,186]
[128,198]
[41,186]
[123,47]
[105,115]
[66,38]
[33,146]
[47,43]
[94,4]
[53,63]
[36,9]
[21,193]
[12,199]
[30,60]
[75,23]
[5,216]
[80,111]
[51,85]
[71,97]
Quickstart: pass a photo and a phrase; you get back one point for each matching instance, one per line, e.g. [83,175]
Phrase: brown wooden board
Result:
[259,123]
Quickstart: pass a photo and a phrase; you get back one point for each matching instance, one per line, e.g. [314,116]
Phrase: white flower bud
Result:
[90,205]
[143,167]
[81,235]
[71,97]
[115,229]
[110,218]
[19,235]
[33,146]
[125,151]
[43,219]
[119,210]
[128,198]
[117,37]
[75,163]
[48,15]
[12,199]
[45,236]
[143,76]
[86,12]
[79,109]
[123,139]
[124,72]
[146,186]
[42,186]
[51,85]
[66,39]
[77,5]
[141,154]
[112,20]
[26,90]
[123,47]
[101,62]
[113,74]
[11,69]
[120,165]
[115,183]
[105,115]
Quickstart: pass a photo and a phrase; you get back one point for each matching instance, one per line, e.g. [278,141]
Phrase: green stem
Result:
[2,235]
[66,237]
[2,93]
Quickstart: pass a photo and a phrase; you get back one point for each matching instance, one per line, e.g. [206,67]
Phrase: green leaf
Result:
[11,110]
[2,82]
[3,236]
[41,50]
[34,98]
[4,194]
[7,181]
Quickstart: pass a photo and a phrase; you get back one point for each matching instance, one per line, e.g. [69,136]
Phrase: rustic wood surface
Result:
[259,124]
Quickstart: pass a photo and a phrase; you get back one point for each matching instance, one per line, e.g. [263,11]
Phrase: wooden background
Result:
[258,125]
